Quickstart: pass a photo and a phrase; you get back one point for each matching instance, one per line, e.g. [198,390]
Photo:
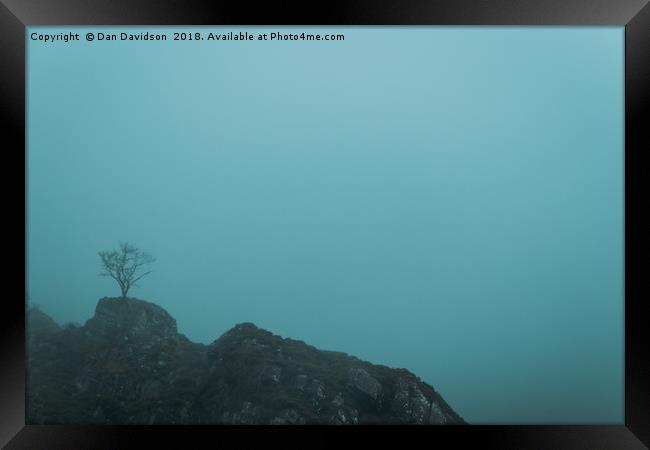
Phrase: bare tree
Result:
[127,265]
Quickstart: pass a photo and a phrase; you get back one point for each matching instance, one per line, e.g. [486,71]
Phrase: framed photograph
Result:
[317,225]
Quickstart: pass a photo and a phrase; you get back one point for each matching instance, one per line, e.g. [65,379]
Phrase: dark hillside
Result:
[129,365]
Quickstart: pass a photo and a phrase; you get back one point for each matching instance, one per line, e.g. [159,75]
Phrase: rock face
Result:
[129,365]
[40,324]
[116,317]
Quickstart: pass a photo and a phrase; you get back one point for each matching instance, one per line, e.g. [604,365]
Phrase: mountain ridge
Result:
[129,365]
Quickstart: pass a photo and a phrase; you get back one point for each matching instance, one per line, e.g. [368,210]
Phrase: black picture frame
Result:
[634,15]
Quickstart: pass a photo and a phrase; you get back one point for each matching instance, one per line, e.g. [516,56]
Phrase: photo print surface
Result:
[325,225]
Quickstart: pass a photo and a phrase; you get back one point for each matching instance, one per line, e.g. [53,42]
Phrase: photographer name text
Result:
[230,36]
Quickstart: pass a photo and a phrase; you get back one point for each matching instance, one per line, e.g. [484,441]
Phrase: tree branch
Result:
[123,265]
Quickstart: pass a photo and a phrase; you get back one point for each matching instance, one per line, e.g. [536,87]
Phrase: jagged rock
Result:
[131,318]
[345,416]
[316,389]
[246,416]
[270,374]
[361,380]
[413,406]
[301,381]
[437,416]
[129,365]
[288,417]
[39,324]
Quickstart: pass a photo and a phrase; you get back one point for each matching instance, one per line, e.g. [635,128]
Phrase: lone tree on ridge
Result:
[127,265]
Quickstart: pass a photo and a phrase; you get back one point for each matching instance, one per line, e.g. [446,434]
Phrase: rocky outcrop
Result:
[131,318]
[129,365]
[40,324]
[360,379]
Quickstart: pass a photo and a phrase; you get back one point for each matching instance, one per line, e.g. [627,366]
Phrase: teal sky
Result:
[444,199]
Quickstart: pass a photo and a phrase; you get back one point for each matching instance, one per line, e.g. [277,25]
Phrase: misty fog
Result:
[448,200]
